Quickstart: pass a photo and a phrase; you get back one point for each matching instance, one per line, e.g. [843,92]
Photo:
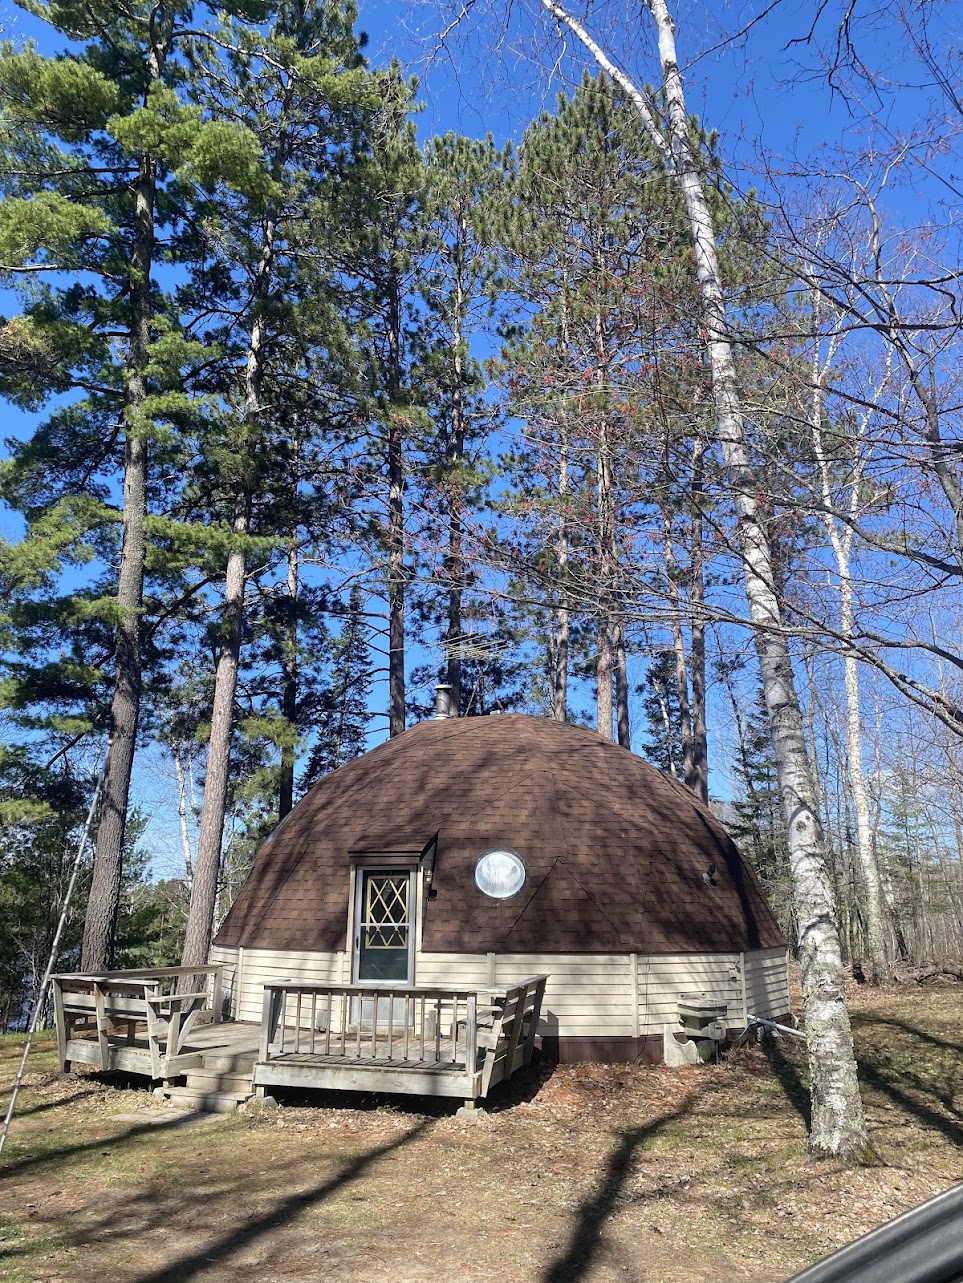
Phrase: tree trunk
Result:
[289,689]
[207,866]
[699,781]
[678,644]
[396,521]
[560,673]
[97,952]
[456,453]
[877,970]
[603,677]
[621,687]
[562,620]
[210,839]
[837,1127]
[182,812]
[837,1113]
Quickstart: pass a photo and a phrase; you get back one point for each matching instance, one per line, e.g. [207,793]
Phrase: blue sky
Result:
[763,90]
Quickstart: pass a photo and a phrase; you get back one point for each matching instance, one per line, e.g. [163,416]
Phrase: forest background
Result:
[314,404]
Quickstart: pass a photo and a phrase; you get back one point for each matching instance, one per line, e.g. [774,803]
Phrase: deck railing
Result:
[96,1005]
[362,1022]
[482,1036]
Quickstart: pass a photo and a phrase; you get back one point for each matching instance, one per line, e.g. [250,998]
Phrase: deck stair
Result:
[217,1085]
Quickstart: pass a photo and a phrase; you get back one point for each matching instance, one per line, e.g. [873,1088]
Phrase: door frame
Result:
[359,871]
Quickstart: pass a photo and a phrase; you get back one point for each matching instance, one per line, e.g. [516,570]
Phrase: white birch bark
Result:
[841,541]
[838,1127]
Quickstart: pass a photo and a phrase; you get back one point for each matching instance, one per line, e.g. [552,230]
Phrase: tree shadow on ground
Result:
[789,1077]
[586,1239]
[43,1106]
[33,1162]
[867,1022]
[915,1094]
[280,1213]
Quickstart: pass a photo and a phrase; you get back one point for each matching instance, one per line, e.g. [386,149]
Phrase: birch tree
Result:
[838,1127]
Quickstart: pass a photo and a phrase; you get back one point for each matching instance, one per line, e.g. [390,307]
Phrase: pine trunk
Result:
[699,782]
[396,521]
[289,689]
[207,866]
[560,650]
[210,839]
[97,952]
[623,729]
[456,453]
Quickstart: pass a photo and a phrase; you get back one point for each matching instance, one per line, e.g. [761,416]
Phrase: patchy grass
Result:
[588,1173]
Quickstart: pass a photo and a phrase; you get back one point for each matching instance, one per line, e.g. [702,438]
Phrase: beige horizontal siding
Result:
[451,970]
[587,995]
[767,983]
[247,971]
[663,977]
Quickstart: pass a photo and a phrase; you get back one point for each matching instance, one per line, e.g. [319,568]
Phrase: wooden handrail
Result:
[133,997]
[398,990]
[321,1028]
[141,973]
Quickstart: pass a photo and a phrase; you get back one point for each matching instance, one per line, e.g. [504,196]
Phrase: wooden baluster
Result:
[391,1025]
[360,1014]
[454,1028]
[437,1029]
[471,1032]
[297,1021]
[344,1022]
[327,1026]
[407,1021]
[422,1026]
[314,1019]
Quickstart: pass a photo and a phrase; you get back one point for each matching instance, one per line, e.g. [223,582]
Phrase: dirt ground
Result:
[585,1174]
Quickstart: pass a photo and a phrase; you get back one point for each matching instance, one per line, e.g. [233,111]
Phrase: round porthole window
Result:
[500,874]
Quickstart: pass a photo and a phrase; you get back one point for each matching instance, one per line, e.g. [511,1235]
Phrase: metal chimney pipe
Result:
[444,701]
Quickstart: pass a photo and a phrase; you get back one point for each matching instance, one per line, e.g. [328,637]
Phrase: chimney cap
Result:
[444,701]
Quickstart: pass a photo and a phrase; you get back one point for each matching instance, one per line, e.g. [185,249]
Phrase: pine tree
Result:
[91,141]
[342,726]
[266,293]
[457,284]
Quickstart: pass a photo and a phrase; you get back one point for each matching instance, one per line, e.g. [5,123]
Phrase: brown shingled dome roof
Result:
[615,851]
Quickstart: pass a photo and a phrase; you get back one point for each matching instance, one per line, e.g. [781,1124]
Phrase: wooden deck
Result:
[430,1042]
[136,1020]
[232,1046]
[416,1041]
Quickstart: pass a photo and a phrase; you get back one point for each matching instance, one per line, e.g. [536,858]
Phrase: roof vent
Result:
[444,701]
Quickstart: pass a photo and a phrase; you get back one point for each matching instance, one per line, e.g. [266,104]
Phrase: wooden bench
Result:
[131,1020]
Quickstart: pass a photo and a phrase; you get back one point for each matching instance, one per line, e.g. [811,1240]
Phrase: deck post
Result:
[269,1013]
[216,983]
[521,997]
[533,1022]
[99,1008]
[62,1031]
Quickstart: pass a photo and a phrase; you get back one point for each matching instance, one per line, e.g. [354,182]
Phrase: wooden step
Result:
[204,1080]
[227,1062]
[211,1102]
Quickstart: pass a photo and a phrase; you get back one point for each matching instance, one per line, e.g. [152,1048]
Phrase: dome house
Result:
[473,852]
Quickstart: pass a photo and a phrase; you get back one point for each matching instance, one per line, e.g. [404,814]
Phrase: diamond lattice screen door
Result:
[383,940]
